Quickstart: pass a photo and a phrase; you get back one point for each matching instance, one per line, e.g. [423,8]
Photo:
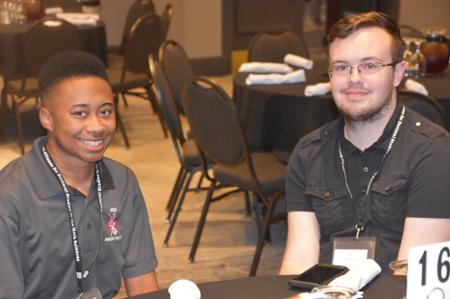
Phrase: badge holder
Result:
[348,251]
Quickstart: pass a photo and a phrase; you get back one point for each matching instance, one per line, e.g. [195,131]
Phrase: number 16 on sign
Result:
[429,271]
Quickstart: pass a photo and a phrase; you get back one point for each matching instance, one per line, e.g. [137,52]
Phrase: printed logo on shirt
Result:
[112,226]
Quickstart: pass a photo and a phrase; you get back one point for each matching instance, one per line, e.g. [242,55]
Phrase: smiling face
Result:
[369,97]
[79,117]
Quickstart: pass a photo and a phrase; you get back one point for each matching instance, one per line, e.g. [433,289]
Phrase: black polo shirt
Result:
[412,182]
[36,251]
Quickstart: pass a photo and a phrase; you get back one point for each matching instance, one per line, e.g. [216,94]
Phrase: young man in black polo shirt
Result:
[380,172]
[73,223]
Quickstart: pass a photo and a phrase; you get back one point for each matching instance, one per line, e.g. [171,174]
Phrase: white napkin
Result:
[53,10]
[292,77]
[358,276]
[265,67]
[299,61]
[79,18]
[416,86]
[318,89]
[184,289]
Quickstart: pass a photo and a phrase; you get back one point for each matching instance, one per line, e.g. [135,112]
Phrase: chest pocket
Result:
[332,206]
[388,202]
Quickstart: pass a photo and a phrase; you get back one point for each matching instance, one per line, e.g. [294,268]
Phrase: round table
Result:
[270,287]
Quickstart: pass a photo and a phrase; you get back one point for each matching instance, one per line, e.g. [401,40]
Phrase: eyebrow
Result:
[86,105]
[362,60]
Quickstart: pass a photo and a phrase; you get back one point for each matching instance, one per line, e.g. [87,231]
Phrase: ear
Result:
[45,118]
[399,71]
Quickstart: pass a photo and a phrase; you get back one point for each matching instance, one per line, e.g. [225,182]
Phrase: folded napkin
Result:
[184,289]
[299,61]
[79,18]
[265,67]
[318,89]
[358,276]
[416,86]
[53,10]
[292,77]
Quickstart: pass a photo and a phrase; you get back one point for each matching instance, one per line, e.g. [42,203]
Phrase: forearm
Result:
[142,284]
[421,231]
[302,247]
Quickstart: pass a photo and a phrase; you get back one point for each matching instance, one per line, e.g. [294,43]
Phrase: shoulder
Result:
[13,172]
[318,138]
[421,126]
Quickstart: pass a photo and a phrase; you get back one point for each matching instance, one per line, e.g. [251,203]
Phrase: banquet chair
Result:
[136,10]
[66,5]
[45,38]
[216,127]
[166,17]
[144,39]
[185,149]
[177,67]
[272,47]
[424,105]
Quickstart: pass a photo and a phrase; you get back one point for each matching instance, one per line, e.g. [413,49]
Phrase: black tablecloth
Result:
[11,36]
[274,287]
[277,116]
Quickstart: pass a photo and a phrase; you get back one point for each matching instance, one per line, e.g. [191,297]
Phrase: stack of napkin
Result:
[318,89]
[277,73]
[358,276]
[79,19]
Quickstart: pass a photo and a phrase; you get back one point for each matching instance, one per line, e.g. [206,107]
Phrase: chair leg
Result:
[124,99]
[19,130]
[248,208]
[176,193]
[177,211]
[262,236]
[201,222]
[120,123]
[199,183]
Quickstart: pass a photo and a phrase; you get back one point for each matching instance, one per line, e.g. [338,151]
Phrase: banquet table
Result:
[276,287]
[276,116]
[93,40]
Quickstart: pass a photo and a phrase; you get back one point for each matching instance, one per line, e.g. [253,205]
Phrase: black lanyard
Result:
[80,274]
[360,226]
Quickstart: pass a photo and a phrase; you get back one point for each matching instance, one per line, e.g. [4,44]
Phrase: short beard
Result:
[371,115]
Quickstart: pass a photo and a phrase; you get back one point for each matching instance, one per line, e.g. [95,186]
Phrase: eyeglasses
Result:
[364,69]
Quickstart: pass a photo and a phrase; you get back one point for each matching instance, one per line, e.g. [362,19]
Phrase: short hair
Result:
[67,65]
[351,23]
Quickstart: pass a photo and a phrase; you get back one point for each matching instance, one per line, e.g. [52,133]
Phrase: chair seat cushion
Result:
[132,80]
[269,171]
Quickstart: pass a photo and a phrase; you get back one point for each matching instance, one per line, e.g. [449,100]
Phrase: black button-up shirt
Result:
[412,182]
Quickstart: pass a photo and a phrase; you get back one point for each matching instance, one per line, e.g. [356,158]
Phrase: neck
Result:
[363,134]
[77,174]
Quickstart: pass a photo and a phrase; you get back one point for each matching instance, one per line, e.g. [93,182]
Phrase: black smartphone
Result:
[317,275]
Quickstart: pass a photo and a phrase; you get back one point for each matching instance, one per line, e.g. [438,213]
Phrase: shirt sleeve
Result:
[295,184]
[11,278]
[429,192]
[140,256]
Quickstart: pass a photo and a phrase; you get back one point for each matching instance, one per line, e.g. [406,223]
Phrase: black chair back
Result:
[136,10]
[144,39]
[47,37]
[166,17]
[214,122]
[166,102]
[424,105]
[66,5]
[177,67]
[272,47]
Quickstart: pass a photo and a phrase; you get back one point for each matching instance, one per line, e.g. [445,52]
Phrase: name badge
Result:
[93,293]
[348,251]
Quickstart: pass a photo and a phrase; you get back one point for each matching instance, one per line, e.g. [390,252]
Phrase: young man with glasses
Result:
[376,181]
[72,222]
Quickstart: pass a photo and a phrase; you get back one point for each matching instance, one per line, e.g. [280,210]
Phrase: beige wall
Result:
[423,14]
[196,24]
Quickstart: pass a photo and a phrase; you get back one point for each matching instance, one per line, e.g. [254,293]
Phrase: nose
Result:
[95,124]
[355,74]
